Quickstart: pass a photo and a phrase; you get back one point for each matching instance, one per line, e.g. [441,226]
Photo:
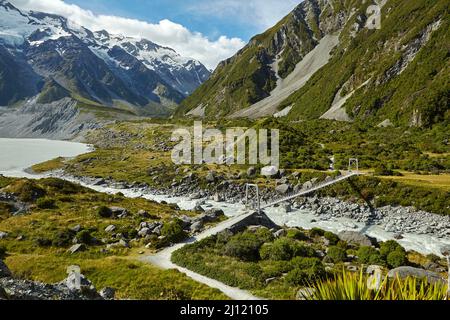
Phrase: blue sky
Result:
[198,15]
[207,30]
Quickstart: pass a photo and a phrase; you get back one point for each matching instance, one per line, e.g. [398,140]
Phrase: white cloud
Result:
[262,14]
[166,33]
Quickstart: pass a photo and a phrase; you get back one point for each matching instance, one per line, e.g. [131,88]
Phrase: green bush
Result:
[396,259]
[305,271]
[369,255]
[296,234]
[63,238]
[264,235]
[173,231]
[336,254]
[244,246]
[316,232]
[331,237]
[84,236]
[279,250]
[390,246]
[46,203]
[104,212]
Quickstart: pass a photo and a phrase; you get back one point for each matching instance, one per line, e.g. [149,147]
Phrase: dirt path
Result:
[162,259]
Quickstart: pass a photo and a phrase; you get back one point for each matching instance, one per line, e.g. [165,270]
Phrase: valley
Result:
[87,178]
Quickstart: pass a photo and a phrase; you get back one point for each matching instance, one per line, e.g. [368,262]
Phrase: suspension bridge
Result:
[258,205]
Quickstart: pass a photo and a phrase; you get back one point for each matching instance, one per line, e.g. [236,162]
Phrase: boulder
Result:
[307,185]
[280,233]
[251,171]
[110,228]
[3,235]
[77,248]
[144,232]
[404,272]
[76,228]
[197,226]
[118,211]
[108,293]
[356,238]
[211,177]
[4,270]
[283,189]
[143,214]
[269,171]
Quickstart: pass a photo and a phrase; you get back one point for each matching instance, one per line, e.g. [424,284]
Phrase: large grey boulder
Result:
[211,177]
[404,272]
[197,226]
[3,235]
[356,238]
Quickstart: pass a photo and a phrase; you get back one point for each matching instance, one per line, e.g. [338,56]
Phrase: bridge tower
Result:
[353,162]
[256,201]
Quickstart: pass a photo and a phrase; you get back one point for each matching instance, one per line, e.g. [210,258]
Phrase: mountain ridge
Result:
[111,70]
[372,74]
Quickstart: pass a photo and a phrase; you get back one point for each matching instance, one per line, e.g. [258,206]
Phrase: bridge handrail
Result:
[314,188]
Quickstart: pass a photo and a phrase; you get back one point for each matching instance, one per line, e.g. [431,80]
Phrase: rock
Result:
[124,243]
[4,270]
[108,293]
[197,226]
[287,208]
[307,185]
[431,266]
[110,228]
[280,233]
[269,171]
[251,171]
[198,208]
[143,214]
[76,228]
[144,232]
[283,189]
[214,214]
[353,237]
[157,230]
[118,211]
[404,272]
[386,123]
[211,177]
[218,197]
[77,248]
[3,235]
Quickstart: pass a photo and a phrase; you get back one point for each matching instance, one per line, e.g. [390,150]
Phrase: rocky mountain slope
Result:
[47,57]
[324,60]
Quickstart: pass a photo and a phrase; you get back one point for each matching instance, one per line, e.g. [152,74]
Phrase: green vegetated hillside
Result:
[399,72]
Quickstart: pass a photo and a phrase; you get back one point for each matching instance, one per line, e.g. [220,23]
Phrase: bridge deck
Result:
[308,191]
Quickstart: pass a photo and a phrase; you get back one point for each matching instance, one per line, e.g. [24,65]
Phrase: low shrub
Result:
[104,212]
[173,231]
[296,234]
[316,232]
[46,203]
[331,237]
[396,259]
[336,254]
[369,255]
[244,246]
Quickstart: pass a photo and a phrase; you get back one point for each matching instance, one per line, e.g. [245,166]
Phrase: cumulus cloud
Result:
[166,33]
[261,14]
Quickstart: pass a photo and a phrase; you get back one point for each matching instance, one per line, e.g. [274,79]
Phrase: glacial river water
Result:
[16,155]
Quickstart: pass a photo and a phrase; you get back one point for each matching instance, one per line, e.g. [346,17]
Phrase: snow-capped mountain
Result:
[48,56]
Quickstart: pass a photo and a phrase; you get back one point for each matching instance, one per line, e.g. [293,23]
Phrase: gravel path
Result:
[162,259]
